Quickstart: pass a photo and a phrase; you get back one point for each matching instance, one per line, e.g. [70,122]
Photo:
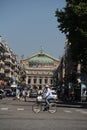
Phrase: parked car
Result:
[8,92]
[54,88]
[13,91]
[2,94]
[33,93]
[54,94]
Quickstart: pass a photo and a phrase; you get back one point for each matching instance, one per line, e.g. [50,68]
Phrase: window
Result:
[45,81]
[29,81]
[40,81]
[51,81]
[35,80]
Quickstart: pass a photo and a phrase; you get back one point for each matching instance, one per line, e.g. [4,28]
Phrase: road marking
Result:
[81,111]
[20,109]
[4,108]
[67,111]
[84,112]
[77,110]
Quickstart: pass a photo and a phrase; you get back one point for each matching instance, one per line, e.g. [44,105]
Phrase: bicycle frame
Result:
[39,106]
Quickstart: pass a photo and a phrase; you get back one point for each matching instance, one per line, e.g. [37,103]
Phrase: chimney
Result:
[0,39]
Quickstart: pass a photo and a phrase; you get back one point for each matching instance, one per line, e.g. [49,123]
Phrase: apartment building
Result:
[9,64]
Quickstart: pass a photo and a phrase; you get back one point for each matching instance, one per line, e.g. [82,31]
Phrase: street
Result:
[18,115]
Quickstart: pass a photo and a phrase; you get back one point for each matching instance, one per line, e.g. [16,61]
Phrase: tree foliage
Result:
[72,20]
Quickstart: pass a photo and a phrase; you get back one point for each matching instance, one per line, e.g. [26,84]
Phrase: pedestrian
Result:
[25,92]
[18,92]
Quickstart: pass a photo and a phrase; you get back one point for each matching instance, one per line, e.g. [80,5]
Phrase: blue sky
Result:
[26,25]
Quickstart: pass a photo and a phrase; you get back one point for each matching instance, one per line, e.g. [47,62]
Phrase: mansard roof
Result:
[41,57]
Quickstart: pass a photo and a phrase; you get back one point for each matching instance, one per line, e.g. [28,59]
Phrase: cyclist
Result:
[47,95]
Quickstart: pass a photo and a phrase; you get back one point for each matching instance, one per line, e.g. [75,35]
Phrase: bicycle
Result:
[39,105]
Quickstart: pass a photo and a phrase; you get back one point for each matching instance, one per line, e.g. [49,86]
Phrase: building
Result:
[40,69]
[2,51]
[9,64]
[69,73]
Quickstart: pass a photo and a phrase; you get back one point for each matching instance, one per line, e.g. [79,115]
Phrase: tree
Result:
[72,20]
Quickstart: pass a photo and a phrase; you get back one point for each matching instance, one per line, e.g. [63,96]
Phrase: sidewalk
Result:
[66,104]
[72,104]
[58,102]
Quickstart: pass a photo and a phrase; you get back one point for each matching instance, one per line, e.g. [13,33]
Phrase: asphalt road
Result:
[18,115]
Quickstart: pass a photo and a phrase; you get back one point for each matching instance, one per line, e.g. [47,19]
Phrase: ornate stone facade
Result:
[40,69]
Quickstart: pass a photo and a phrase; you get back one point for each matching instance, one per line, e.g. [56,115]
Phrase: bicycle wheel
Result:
[36,107]
[52,108]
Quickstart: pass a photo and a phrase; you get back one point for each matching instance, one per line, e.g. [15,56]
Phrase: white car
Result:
[54,94]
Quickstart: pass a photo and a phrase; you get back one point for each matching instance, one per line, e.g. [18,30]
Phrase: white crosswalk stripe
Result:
[81,111]
[67,111]
[84,112]
[70,111]
[77,110]
[20,109]
[4,108]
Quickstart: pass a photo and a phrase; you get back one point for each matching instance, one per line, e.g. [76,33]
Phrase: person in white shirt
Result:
[18,92]
[47,95]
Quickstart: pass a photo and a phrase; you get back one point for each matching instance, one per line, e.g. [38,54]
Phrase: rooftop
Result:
[41,57]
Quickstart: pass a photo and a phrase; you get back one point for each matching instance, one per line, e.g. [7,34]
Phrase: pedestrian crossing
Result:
[68,111]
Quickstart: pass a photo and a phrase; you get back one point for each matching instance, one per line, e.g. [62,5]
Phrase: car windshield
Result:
[54,93]
[8,91]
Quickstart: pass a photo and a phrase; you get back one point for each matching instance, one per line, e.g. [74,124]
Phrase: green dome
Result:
[41,58]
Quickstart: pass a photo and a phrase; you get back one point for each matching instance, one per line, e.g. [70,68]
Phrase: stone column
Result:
[27,80]
[32,81]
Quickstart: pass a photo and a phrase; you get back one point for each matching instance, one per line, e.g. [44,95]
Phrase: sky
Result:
[30,25]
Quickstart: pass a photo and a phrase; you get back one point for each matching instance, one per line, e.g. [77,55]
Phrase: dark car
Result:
[33,93]
[2,94]
[13,91]
[8,92]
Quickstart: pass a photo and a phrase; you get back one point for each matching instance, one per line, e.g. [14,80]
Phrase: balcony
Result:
[8,61]
[2,64]
[2,76]
[1,71]
[2,48]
